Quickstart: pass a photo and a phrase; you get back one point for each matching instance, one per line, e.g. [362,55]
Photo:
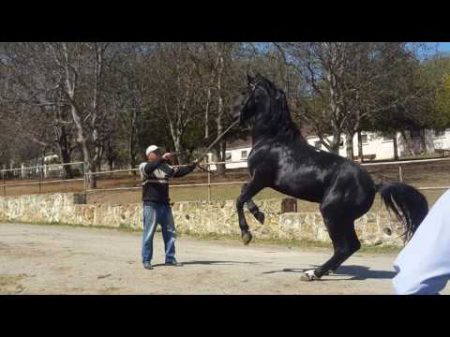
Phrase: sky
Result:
[444,46]
[430,48]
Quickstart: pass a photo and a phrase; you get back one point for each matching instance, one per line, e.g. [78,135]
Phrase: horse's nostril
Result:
[387,231]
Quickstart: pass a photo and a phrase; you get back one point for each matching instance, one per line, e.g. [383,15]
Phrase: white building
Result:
[374,147]
[236,155]
[378,147]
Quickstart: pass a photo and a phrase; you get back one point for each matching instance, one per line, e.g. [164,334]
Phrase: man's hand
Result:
[194,164]
[167,156]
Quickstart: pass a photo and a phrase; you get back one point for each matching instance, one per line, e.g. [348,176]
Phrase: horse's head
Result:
[255,98]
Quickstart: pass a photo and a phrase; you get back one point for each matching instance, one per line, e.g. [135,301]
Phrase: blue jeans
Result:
[155,214]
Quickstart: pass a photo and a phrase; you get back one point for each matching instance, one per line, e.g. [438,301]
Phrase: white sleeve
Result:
[423,266]
[142,171]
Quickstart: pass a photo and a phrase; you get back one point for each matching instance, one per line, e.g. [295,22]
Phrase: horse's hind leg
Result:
[253,208]
[248,191]
[352,245]
[345,243]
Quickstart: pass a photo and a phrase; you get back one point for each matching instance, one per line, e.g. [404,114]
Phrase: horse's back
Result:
[304,172]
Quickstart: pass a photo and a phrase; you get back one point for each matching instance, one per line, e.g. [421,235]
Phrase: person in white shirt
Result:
[423,266]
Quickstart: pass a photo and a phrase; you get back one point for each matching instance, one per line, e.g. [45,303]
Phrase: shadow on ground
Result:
[355,272]
[206,262]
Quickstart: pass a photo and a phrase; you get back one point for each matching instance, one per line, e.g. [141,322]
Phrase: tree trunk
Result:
[98,157]
[360,147]
[132,143]
[64,150]
[110,164]
[89,167]
[71,76]
[217,153]
[179,150]
[208,98]
[395,143]
[63,143]
[220,167]
[333,147]
[409,146]
[423,143]
[66,158]
[349,145]
[110,155]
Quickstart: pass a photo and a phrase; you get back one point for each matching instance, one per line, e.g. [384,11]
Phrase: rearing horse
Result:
[282,160]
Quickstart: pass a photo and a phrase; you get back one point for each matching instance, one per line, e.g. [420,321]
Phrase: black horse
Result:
[282,160]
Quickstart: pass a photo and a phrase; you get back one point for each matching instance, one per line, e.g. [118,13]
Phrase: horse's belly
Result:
[304,191]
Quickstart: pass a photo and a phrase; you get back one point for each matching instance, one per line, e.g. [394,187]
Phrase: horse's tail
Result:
[407,203]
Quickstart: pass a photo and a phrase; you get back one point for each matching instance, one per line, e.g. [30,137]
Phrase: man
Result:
[155,195]
[423,266]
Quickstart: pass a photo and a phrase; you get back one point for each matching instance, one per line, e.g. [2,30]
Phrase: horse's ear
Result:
[250,79]
[280,94]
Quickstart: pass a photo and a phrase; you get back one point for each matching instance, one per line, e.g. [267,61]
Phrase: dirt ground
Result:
[45,259]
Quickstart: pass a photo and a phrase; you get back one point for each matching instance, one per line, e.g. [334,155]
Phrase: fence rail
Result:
[212,166]
[40,173]
[41,166]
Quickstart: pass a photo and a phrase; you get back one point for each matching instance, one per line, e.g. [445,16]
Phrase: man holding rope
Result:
[155,174]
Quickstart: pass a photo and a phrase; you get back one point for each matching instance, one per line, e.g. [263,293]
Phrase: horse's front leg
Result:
[253,208]
[248,191]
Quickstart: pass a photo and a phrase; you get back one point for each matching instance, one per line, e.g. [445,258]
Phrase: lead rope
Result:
[212,144]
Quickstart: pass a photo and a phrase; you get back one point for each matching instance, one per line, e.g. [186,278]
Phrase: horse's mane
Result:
[277,120]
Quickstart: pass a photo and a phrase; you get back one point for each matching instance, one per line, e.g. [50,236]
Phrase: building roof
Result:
[236,143]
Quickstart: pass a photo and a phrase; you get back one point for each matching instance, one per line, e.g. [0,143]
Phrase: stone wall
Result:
[193,217]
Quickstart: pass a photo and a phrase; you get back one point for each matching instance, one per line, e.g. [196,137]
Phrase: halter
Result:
[247,100]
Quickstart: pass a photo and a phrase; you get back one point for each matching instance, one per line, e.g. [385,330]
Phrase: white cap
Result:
[151,148]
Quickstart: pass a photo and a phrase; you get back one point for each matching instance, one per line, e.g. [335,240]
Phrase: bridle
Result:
[253,87]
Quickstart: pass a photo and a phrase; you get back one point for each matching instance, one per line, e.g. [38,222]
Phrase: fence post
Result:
[209,182]
[4,183]
[84,178]
[400,173]
[40,179]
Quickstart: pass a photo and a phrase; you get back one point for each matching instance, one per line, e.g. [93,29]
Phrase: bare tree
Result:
[347,83]
[34,99]
[80,68]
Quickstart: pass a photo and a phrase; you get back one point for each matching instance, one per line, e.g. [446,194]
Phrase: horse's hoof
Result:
[260,217]
[309,275]
[246,238]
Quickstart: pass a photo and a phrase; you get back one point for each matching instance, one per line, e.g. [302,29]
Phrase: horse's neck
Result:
[262,132]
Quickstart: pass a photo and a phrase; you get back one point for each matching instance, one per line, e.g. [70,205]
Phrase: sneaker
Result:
[174,264]
[148,265]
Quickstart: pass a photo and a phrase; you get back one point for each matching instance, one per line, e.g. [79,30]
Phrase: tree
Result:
[407,101]
[34,101]
[218,63]
[347,83]
[80,67]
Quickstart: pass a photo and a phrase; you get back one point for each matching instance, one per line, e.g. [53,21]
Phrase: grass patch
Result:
[121,228]
[303,244]
[10,284]
[231,192]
